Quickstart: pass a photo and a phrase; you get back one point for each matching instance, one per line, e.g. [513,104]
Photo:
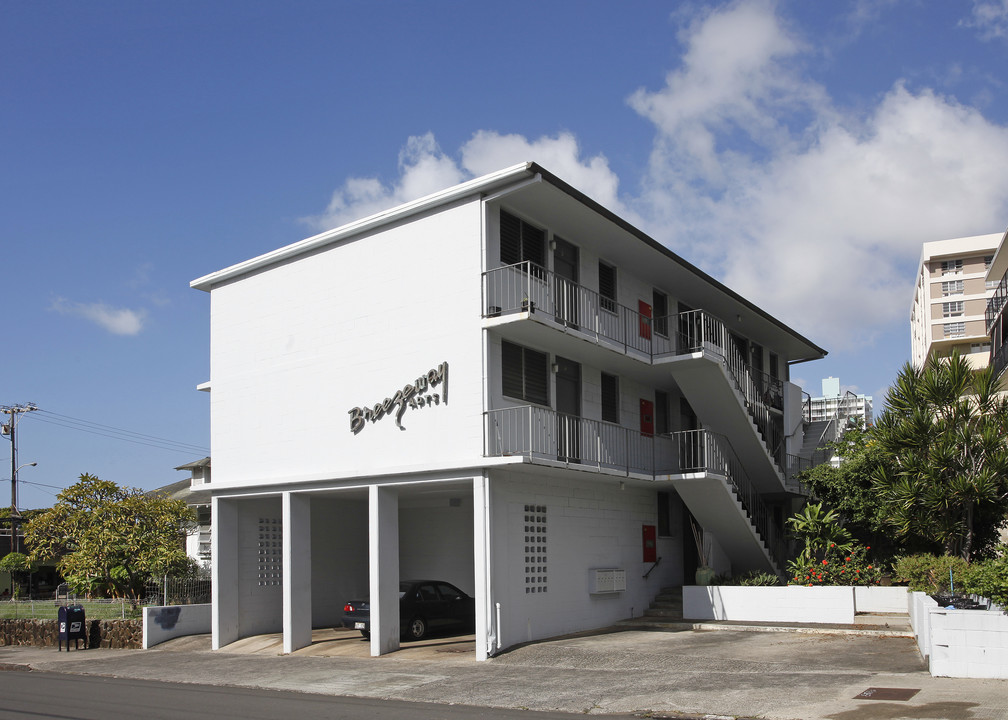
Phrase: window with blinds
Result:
[952,287]
[524,374]
[952,309]
[521,241]
[607,286]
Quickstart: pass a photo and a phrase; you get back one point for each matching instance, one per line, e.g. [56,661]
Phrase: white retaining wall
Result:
[171,621]
[881,599]
[960,643]
[792,603]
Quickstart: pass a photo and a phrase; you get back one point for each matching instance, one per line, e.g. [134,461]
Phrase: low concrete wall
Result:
[792,603]
[960,643]
[171,621]
[45,633]
[881,599]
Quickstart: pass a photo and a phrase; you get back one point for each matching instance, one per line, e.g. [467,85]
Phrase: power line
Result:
[117,433]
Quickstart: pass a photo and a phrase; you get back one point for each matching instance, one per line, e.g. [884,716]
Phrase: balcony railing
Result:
[542,434]
[996,302]
[528,287]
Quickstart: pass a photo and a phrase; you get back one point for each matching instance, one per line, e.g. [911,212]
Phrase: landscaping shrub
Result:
[930,573]
[836,566]
[989,579]
[756,578]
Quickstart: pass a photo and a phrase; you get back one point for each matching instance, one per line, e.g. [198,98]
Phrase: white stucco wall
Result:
[296,347]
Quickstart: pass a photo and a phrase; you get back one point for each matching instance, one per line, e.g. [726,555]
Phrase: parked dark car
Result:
[425,606]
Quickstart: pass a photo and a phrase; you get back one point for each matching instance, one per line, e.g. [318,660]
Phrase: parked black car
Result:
[425,606]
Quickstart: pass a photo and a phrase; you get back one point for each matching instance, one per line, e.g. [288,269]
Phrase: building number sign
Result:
[415,395]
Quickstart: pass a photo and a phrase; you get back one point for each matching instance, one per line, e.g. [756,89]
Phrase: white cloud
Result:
[118,321]
[814,212]
[990,17]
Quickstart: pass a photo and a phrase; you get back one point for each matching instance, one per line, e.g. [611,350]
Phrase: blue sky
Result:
[800,152]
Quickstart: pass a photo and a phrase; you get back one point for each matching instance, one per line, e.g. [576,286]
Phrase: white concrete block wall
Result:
[791,603]
[436,541]
[881,599]
[968,643]
[339,555]
[260,606]
[589,525]
[294,348]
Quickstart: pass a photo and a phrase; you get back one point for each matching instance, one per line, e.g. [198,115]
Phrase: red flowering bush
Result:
[835,566]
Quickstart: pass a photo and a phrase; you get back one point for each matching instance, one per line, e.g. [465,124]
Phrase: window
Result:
[524,374]
[952,287]
[659,309]
[951,267]
[607,286]
[520,241]
[955,330]
[952,309]
[610,398]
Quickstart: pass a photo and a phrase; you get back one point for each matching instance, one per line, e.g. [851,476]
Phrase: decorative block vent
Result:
[535,549]
[270,552]
[608,580]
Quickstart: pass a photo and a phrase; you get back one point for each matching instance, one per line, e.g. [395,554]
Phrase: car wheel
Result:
[417,629]
[366,634]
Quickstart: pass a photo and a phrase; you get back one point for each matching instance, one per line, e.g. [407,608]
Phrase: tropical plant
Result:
[108,539]
[817,529]
[836,566]
[945,435]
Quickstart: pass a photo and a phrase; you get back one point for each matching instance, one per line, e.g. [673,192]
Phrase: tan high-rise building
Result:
[950,300]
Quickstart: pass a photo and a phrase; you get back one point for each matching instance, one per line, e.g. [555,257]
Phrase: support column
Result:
[225,622]
[486,631]
[297,607]
[383,553]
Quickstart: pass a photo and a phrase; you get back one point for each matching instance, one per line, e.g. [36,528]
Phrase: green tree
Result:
[110,539]
[15,563]
[945,479]
[817,530]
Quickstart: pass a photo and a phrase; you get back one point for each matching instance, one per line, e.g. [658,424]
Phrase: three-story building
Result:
[502,385]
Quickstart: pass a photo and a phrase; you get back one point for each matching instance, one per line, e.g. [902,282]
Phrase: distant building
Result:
[996,322]
[195,492]
[950,299]
[822,409]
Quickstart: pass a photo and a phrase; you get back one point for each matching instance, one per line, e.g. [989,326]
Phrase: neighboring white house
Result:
[195,492]
[502,385]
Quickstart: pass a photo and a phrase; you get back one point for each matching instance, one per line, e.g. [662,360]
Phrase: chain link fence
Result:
[159,591]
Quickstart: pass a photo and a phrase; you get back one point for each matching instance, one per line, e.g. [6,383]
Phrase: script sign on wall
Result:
[416,395]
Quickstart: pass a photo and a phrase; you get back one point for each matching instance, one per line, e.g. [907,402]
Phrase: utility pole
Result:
[9,429]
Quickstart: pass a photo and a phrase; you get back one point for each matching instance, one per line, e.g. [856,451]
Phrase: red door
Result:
[645,319]
[646,417]
[650,544]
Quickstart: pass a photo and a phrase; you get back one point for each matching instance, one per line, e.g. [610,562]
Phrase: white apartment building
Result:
[504,386]
[950,299]
[832,402]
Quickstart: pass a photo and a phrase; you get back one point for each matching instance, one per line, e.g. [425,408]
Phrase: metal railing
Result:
[529,287]
[996,302]
[699,331]
[706,451]
[542,434]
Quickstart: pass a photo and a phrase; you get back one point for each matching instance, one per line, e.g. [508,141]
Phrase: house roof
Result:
[508,178]
[204,462]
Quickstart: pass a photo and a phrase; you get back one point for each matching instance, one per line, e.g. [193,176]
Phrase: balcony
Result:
[995,302]
[695,347]
[700,464]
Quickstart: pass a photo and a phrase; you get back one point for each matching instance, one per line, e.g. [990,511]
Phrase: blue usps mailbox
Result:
[71,626]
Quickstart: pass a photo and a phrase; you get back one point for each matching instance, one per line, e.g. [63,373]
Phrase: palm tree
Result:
[945,430]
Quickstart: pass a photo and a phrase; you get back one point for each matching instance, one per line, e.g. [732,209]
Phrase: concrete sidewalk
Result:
[622,670]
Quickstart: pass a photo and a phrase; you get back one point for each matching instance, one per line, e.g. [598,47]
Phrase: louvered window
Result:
[952,309]
[952,287]
[610,398]
[951,267]
[607,286]
[524,374]
[521,242]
